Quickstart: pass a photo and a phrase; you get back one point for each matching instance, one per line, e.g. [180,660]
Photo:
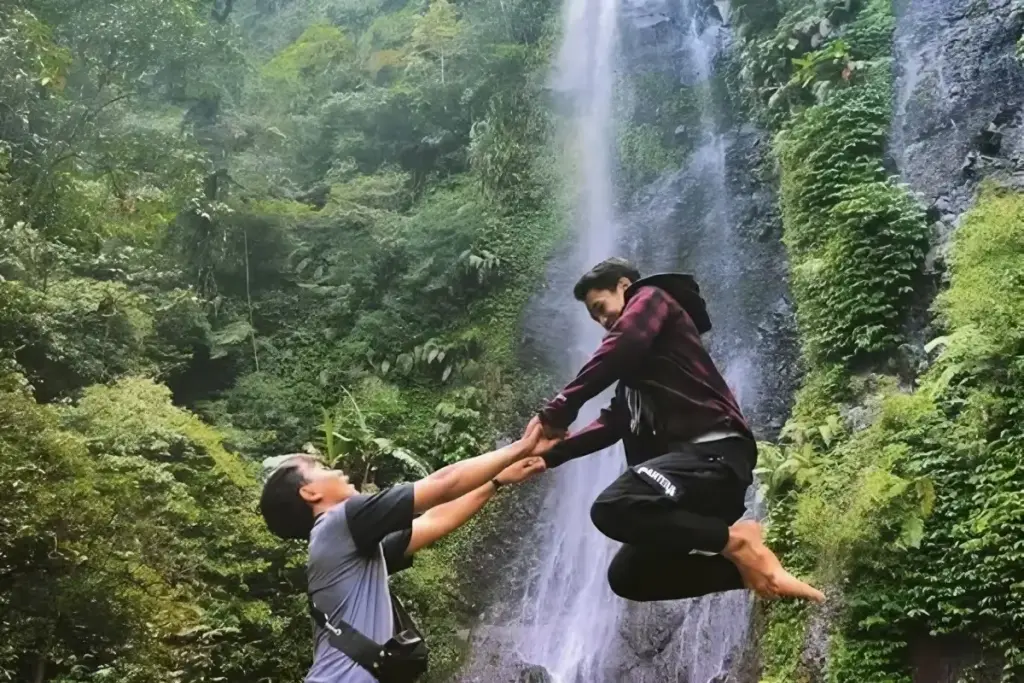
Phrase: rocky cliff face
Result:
[957,121]
[957,115]
[959,88]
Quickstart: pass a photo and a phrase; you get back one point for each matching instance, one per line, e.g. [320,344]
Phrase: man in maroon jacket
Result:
[689,450]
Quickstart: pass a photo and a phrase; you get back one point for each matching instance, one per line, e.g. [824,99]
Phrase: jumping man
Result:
[689,450]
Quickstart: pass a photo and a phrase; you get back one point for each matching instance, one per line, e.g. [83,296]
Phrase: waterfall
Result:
[709,218]
[571,623]
[570,617]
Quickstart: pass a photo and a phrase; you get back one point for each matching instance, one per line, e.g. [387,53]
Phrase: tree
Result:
[436,35]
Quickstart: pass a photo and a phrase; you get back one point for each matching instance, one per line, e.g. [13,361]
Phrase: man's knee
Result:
[606,513]
[623,581]
[618,580]
[621,506]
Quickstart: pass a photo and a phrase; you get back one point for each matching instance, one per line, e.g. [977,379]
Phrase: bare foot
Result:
[760,568]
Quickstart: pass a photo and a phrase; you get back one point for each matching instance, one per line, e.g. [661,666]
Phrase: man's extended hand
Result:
[554,433]
[522,470]
[545,438]
[534,441]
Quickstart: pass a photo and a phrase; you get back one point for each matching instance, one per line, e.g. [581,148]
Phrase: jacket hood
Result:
[684,289]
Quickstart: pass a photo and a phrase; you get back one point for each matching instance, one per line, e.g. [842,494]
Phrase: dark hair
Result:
[605,275]
[287,515]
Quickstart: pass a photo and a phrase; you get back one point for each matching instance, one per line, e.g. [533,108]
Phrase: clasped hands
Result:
[536,441]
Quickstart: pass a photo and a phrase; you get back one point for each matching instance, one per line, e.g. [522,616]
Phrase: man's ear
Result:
[310,494]
[624,283]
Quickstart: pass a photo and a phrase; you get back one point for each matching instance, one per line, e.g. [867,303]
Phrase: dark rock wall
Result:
[957,104]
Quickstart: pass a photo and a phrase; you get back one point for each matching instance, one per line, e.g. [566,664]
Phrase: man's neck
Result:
[323,508]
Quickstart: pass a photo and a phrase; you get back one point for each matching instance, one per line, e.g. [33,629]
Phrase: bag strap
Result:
[403,622]
[344,637]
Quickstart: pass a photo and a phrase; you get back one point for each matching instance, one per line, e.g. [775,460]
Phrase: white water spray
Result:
[568,621]
[570,617]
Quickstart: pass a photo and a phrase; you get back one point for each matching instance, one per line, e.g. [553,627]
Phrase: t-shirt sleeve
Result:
[395,544]
[372,518]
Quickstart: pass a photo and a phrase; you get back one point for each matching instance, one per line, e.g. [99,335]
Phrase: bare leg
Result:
[760,568]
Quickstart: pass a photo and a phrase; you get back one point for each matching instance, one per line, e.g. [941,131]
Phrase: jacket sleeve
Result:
[606,430]
[621,350]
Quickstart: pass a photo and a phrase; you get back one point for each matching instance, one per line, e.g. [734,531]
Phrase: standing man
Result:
[356,540]
[689,450]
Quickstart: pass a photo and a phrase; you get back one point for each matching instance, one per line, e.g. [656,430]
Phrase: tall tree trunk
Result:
[39,675]
[248,299]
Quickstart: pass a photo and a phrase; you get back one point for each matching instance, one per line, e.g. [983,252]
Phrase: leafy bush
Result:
[856,240]
[902,502]
[100,541]
[952,447]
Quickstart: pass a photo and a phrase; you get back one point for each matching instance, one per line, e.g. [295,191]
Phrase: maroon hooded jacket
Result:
[669,390]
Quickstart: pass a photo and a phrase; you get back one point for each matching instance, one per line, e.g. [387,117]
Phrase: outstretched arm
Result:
[388,517]
[458,479]
[606,430]
[623,347]
[444,519]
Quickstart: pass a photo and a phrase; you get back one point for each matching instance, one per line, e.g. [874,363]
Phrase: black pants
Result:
[669,506]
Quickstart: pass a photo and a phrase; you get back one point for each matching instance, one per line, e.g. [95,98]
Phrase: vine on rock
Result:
[906,505]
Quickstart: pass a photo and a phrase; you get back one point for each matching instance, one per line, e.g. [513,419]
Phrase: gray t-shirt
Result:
[352,549]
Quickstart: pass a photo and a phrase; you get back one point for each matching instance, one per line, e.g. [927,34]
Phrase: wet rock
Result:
[649,21]
[909,362]
[957,84]
[535,674]
[714,13]
[990,139]
[316,196]
[951,659]
[967,167]
[817,640]
[857,418]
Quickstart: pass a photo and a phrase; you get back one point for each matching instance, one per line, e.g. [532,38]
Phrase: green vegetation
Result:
[856,240]
[903,501]
[315,225]
[131,546]
[303,225]
[918,515]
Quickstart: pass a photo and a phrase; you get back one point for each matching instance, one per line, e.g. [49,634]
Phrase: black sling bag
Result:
[402,659]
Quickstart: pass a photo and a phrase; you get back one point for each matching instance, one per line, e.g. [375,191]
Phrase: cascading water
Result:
[714,628]
[570,616]
[566,624]
[571,622]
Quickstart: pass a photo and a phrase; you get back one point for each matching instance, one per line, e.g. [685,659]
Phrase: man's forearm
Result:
[444,519]
[462,477]
[606,430]
[579,445]
[455,513]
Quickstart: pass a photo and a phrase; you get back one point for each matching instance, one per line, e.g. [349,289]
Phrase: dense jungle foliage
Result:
[898,490]
[230,230]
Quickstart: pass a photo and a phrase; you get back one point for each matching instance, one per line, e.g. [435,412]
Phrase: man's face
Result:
[324,486]
[605,305]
